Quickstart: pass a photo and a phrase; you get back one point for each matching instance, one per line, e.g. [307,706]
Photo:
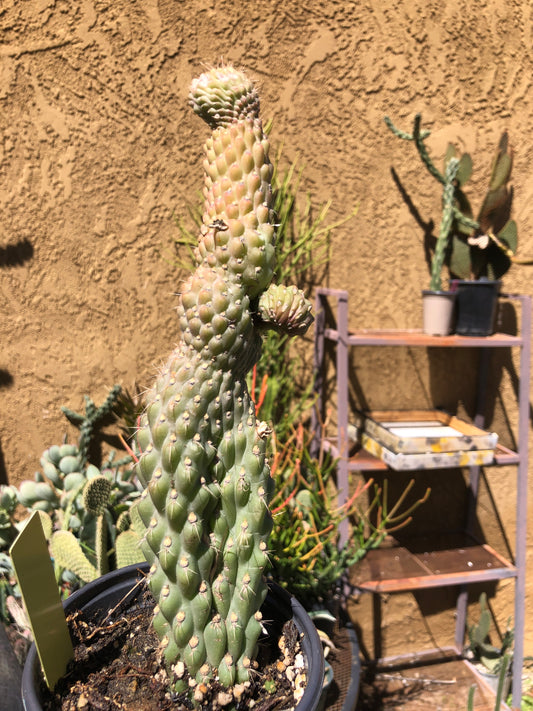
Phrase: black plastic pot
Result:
[106,592]
[10,675]
[476,306]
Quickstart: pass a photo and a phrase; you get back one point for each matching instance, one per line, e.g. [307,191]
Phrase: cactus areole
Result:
[203,465]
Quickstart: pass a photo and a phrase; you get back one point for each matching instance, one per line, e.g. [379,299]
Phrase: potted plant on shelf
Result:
[477,252]
[485,656]
[438,303]
[483,250]
[205,507]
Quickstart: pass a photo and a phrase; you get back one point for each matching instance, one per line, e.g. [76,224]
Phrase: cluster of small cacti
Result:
[60,479]
[85,510]
[208,485]
[88,510]
[472,248]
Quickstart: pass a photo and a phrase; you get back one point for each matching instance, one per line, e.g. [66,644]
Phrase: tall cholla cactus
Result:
[207,481]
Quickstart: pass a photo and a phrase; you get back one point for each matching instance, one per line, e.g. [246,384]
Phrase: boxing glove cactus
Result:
[203,465]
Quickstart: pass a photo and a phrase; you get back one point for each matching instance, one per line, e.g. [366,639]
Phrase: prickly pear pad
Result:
[207,481]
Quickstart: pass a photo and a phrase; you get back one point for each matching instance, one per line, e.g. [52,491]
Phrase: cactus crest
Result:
[203,464]
[223,95]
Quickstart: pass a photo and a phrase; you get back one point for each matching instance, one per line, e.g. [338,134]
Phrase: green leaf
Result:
[501,171]
[465,169]
[459,264]
[463,204]
[450,153]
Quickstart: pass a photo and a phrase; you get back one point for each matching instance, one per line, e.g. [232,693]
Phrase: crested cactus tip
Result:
[205,507]
[223,95]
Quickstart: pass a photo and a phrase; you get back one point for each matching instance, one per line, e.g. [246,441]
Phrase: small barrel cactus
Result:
[203,465]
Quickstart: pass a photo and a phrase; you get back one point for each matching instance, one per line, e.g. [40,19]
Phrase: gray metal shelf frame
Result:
[344,339]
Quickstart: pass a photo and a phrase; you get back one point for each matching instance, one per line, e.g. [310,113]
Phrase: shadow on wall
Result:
[12,255]
[6,380]
[426,227]
[15,255]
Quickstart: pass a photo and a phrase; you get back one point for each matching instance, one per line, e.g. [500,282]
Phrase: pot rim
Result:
[440,292]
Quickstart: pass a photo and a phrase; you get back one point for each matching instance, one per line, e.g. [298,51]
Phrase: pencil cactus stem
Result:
[418,137]
[464,220]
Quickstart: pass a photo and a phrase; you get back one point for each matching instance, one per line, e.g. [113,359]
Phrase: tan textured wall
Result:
[98,149]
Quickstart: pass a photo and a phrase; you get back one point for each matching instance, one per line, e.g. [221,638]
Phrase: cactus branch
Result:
[418,137]
[445,225]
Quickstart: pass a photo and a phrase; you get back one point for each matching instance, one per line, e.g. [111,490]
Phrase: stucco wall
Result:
[99,149]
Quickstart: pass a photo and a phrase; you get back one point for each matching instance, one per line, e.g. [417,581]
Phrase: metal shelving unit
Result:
[459,560]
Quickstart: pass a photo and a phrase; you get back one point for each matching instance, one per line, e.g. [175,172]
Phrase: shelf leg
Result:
[376,608]
[460,618]
[342,409]
[317,413]
[521,502]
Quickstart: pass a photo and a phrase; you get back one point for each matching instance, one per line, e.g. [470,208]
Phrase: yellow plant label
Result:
[42,602]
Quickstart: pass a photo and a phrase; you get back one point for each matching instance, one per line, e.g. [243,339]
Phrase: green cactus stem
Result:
[445,226]
[127,548]
[8,506]
[207,481]
[285,308]
[96,498]
[93,418]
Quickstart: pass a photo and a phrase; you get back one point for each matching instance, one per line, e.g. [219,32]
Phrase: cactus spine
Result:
[207,481]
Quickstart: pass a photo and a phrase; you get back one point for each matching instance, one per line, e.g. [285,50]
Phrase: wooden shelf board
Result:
[427,562]
[416,337]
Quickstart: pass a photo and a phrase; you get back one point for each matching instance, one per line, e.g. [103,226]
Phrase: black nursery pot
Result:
[476,306]
[97,597]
